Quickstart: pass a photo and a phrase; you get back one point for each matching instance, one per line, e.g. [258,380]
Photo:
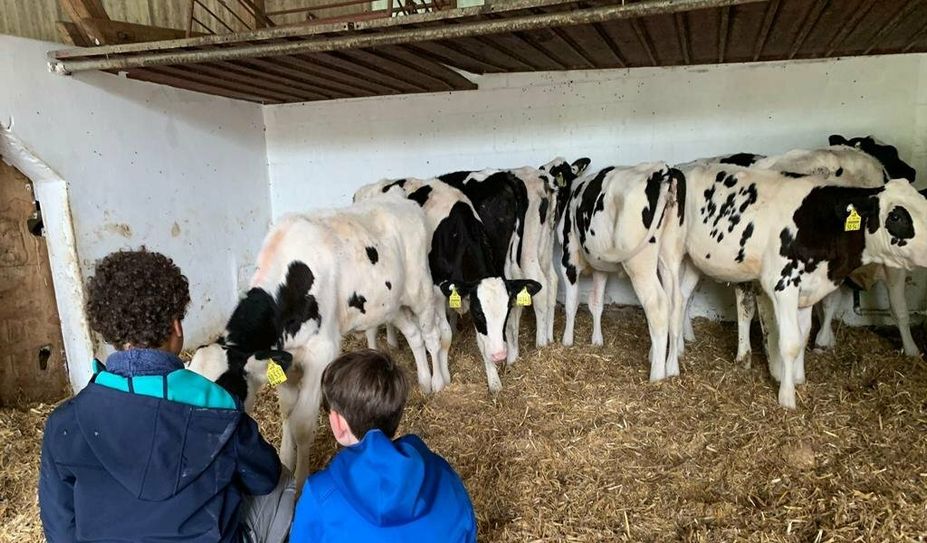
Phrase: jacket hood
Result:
[168,437]
[388,482]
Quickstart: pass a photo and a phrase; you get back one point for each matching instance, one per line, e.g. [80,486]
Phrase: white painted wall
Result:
[180,172]
[318,154]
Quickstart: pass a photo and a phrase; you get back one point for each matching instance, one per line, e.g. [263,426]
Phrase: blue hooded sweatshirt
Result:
[384,490]
[149,451]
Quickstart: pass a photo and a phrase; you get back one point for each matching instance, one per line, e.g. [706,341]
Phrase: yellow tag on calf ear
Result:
[523,298]
[275,374]
[453,301]
[561,182]
[853,221]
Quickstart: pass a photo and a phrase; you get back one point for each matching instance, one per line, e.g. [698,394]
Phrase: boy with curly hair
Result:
[150,451]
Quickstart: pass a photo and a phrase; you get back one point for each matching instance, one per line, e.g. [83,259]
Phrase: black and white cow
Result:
[461,259]
[859,162]
[611,222]
[795,237]
[518,210]
[320,276]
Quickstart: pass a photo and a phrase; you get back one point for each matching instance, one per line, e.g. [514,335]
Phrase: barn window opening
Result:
[45,353]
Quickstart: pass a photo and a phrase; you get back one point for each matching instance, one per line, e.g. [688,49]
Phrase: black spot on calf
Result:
[741,159]
[900,226]
[420,195]
[389,286]
[397,183]
[372,255]
[357,302]
[542,210]
[296,304]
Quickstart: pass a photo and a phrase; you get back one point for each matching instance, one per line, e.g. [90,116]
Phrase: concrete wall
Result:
[319,153]
[179,172]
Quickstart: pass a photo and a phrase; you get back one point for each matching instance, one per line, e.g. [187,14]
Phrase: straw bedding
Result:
[579,446]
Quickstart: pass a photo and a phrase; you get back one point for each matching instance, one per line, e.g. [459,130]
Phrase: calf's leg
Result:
[642,270]
[830,305]
[895,282]
[746,309]
[304,416]
[688,283]
[410,330]
[596,303]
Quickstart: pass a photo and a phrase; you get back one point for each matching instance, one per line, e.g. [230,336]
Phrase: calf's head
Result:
[562,173]
[490,301]
[241,373]
[898,237]
[887,155]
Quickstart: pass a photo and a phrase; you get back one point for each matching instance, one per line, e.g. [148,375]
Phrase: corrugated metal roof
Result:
[422,53]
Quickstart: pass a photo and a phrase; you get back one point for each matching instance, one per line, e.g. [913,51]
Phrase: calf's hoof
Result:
[787,398]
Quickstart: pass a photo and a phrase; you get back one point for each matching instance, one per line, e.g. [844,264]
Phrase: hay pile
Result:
[579,446]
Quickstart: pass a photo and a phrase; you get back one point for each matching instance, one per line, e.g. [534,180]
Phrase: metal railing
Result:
[227,16]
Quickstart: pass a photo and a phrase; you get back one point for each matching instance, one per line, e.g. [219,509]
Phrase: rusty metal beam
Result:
[892,24]
[772,9]
[323,44]
[810,21]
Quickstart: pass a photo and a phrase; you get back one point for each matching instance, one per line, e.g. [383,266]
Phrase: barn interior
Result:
[190,126]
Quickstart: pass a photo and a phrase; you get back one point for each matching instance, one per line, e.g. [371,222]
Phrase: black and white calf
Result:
[460,258]
[518,209]
[859,162]
[318,277]
[611,222]
[798,238]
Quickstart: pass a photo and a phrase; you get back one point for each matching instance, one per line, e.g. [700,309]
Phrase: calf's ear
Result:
[462,288]
[283,358]
[580,165]
[837,139]
[515,286]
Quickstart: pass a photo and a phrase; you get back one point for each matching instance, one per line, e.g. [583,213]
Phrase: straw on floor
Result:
[579,446]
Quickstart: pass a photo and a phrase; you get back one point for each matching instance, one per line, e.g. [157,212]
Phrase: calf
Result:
[318,277]
[518,208]
[798,238]
[461,260]
[859,162]
[612,221]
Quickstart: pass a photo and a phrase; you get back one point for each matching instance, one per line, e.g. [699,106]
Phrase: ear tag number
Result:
[453,301]
[523,298]
[275,374]
[853,221]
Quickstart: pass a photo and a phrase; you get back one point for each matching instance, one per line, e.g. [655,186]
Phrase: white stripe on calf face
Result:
[489,306]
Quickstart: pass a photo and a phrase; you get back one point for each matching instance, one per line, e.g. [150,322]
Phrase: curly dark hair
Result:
[134,297]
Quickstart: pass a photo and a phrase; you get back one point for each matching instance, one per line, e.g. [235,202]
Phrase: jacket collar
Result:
[138,362]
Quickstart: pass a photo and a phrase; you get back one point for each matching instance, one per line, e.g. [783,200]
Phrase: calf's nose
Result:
[499,356]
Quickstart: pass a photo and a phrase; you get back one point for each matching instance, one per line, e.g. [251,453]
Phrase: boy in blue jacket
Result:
[150,451]
[378,488]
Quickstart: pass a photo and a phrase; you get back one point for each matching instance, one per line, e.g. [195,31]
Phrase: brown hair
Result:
[134,296]
[368,389]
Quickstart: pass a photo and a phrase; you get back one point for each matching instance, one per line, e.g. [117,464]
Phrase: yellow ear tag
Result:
[453,301]
[523,298]
[853,221]
[275,374]
[561,182]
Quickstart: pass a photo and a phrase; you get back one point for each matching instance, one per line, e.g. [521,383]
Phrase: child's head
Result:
[364,390]
[136,299]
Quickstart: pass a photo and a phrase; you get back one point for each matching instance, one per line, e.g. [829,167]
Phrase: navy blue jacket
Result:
[150,452]
[384,490]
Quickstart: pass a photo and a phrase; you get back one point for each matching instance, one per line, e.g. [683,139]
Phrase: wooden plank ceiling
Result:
[424,53]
